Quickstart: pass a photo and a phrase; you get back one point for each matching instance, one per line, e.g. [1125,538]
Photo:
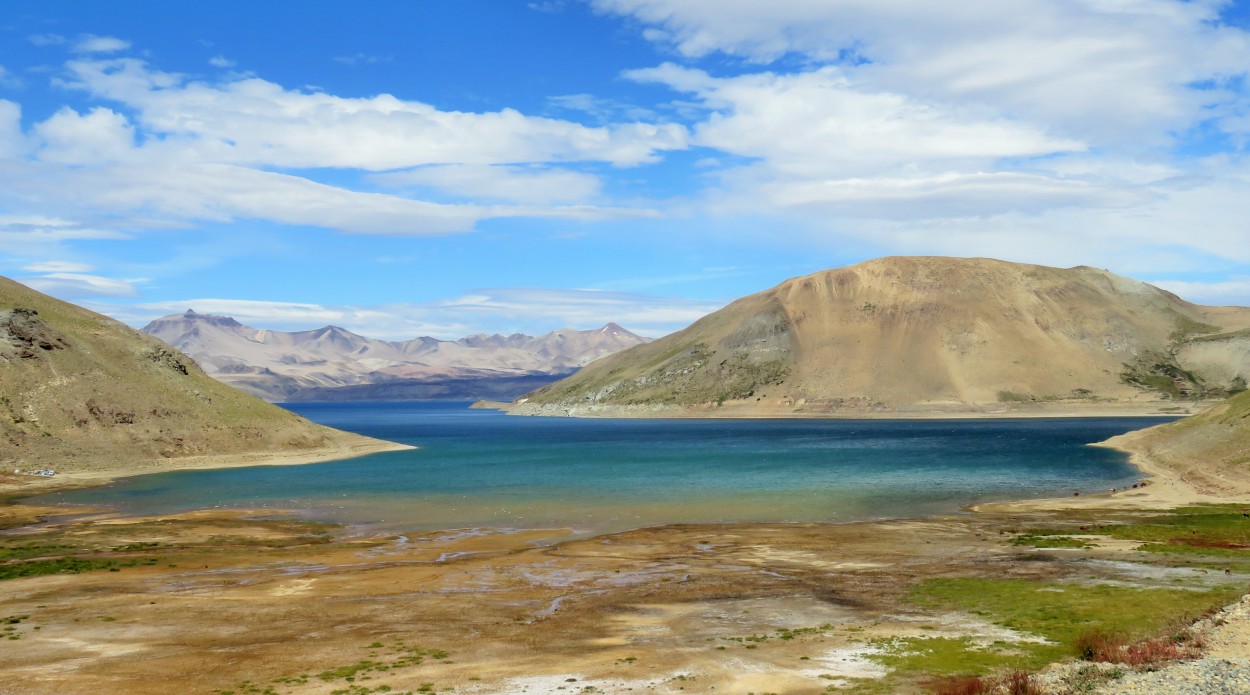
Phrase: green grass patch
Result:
[1063,612]
[402,655]
[1215,530]
[26,551]
[1187,328]
[1048,541]
[68,565]
[1212,526]
[943,656]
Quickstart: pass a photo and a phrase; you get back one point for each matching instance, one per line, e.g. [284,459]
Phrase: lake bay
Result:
[481,468]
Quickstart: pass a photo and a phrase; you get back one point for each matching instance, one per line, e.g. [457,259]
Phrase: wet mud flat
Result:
[226,602]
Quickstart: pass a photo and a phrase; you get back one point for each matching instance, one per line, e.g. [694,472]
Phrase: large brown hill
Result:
[922,335]
[80,392]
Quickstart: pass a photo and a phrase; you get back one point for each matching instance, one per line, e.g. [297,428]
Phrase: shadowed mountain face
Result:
[80,391]
[302,365]
[919,334]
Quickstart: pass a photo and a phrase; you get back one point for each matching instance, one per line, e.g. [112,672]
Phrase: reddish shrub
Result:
[1020,683]
[1098,645]
[962,685]
[1156,650]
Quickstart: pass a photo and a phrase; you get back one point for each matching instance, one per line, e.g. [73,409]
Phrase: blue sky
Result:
[449,167]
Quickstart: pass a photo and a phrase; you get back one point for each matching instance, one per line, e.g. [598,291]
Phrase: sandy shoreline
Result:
[1165,488]
[22,485]
[802,410]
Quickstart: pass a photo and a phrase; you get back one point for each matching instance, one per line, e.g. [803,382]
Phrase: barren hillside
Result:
[924,334]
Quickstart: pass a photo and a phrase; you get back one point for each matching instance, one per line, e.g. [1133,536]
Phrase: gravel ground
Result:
[1207,676]
[1223,670]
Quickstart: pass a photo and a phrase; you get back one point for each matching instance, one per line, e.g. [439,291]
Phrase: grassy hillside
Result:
[946,332]
[80,391]
[1211,450]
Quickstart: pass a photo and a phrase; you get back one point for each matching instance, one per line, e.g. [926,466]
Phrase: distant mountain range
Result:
[332,363]
[922,335]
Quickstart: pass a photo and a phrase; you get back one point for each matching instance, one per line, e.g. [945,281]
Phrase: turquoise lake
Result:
[480,468]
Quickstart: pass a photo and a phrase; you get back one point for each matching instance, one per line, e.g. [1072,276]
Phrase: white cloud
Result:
[58,267]
[8,79]
[12,140]
[506,183]
[604,110]
[255,122]
[1118,71]
[47,39]
[184,151]
[222,193]
[1033,131]
[362,59]
[101,136]
[949,195]
[75,285]
[219,192]
[819,123]
[90,43]
[220,61]
[818,142]
[35,229]
[1182,228]
[584,308]
[1232,292]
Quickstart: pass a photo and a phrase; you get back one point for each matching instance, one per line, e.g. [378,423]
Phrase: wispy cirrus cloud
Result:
[90,43]
[47,40]
[535,185]
[363,59]
[1232,292]
[80,285]
[23,230]
[8,79]
[58,267]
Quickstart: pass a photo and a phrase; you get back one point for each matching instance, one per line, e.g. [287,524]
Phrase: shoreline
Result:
[800,411]
[17,486]
[1163,488]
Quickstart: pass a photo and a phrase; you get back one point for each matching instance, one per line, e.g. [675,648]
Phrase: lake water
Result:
[480,468]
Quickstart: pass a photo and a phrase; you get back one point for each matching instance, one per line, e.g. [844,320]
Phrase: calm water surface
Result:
[479,468]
